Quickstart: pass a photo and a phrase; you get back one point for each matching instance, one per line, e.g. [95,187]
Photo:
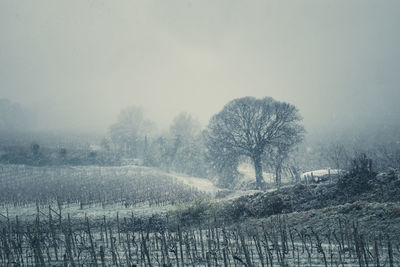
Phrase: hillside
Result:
[381,188]
[96,191]
[187,219]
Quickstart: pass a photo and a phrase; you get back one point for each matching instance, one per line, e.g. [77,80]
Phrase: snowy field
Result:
[321,172]
[96,191]
[248,174]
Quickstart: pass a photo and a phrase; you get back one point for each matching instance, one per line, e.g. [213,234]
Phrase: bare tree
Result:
[386,155]
[129,132]
[223,163]
[185,127]
[186,145]
[248,126]
[336,155]
[277,158]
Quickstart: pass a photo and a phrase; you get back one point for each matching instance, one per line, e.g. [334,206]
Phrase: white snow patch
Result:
[320,173]
[247,170]
[201,184]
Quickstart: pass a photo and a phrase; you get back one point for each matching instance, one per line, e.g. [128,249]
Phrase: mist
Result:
[200,133]
[75,64]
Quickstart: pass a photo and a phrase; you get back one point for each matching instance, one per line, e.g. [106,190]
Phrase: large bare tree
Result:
[248,126]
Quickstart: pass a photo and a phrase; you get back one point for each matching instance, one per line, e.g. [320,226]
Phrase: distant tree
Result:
[157,153]
[62,152]
[12,117]
[186,145]
[105,144]
[277,157]
[92,157]
[336,155]
[35,149]
[190,158]
[248,126]
[183,130]
[386,155]
[185,127]
[223,163]
[128,133]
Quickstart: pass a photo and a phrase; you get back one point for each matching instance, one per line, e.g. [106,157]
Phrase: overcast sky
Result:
[75,64]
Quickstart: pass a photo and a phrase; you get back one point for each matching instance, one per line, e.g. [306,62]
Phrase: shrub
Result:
[356,181]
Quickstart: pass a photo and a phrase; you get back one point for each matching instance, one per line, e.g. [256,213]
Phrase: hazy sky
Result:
[75,64]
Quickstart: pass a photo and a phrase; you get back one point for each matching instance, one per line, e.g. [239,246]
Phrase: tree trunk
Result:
[296,174]
[258,170]
[278,175]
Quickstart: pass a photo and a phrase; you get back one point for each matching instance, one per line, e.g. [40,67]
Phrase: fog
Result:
[75,64]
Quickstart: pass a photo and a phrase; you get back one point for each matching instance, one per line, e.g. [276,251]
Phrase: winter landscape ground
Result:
[183,133]
[196,224]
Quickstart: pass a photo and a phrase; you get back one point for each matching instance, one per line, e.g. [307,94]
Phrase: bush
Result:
[196,212]
[357,180]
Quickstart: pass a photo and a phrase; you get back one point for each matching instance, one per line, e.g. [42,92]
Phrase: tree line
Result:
[264,130]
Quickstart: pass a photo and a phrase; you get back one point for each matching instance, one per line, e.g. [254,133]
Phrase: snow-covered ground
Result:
[99,172]
[201,184]
[320,173]
[94,211]
[247,170]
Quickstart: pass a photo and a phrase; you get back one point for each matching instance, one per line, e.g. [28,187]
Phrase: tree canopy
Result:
[248,126]
[130,130]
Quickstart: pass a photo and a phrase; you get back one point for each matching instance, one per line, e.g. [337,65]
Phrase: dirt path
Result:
[201,184]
